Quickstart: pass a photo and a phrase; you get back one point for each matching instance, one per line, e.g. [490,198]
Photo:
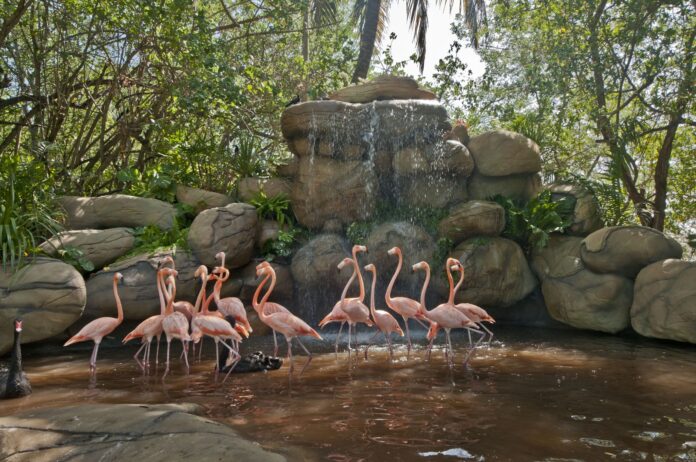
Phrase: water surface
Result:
[531,395]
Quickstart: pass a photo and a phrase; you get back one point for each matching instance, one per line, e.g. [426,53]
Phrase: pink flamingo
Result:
[151,327]
[445,314]
[182,306]
[99,328]
[337,314]
[385,322]
[406,307]
[473,312]
[269,307]
[353,307]
[229,306]
[175,324]
[286,323]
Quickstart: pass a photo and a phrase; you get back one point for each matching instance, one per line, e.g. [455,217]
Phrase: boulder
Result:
[576,295]
[268,231]
[587,216]
[415,244]
[110,432]
[47,294]
[384,87]
[116,210]
[314,264]
[503,153]
[411,160]
[249,188]
[454,158]
[200,199]
[450,158]
[496,272]
[331,147]
[626,250]
[431,191]
[138,290]
[324,189]
[473,218]
[461,132]
[231,229]
[289,169]
[101,247]
[664,301]
[521,187]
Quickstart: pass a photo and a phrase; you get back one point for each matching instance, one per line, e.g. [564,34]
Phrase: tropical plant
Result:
[371,17]
[282,245]
[76,257]
[273,207]
[530,224]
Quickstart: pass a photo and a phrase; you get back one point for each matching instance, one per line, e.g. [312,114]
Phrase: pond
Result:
[531,395]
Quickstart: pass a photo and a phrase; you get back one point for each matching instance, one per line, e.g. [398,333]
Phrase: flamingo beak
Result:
[239,328]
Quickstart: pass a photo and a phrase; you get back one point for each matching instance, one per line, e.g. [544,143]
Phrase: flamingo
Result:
[286,323]
[337,314]
[406,307]
[229,306]
[175,324]
[182,306]
[445,314]
[151,327]
[385,322]
[354,308]
[269,307]
[473,312]
[99,328]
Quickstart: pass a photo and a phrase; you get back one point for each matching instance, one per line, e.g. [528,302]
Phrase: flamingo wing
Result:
[94,330]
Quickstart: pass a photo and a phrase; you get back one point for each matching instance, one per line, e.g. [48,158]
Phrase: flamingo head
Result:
[394,251]
[170,280]
[18,325]
[432,331]
[263,270]
[370,267]
[421,265]
[118,277]
[220,256]
[359,248]
[168,260]
[242,330]
[344,262]
[202,270]
[262,264]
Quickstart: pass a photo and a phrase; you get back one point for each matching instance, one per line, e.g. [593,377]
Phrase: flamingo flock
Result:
[191,323]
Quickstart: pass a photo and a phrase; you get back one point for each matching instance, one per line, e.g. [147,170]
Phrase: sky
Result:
[439,38]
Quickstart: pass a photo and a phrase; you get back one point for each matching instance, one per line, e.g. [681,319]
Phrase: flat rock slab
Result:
[382,88]
[626,250]
[231,229]
[473,218]
[48,295]
[664,301]
[116,210]
[100,246]
[118,432]
[521,187]
[503,153]
[587,216]
[200,199]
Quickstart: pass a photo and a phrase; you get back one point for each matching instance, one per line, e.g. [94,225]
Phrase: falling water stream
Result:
[532,395]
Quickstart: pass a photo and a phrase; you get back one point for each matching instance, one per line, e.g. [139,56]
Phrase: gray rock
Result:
[326,189]
[268,231]
[231,229]
[496,272]
[626,250]
[200,199]
[450,158]
[116,210]
[454,158]
[473,218]
[384,87]
[587,216]
[138,290]
[314,265]
[249,188]
[430,191]
[111,432]
[503,153]
[331,147]
[578,296]
[415,244]
[101,247]
[47,294]
[664,301]
[289,169]
[411,160]
[522,187]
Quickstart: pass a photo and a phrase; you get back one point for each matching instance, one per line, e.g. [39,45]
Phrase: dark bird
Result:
[293,101]
[13,382]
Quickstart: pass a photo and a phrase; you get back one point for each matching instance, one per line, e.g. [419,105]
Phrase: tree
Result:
[371,17]
[618,73]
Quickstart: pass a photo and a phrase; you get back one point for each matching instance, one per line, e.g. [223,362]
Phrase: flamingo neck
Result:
[357,272]
[425,287]
[257,292]
[372,294]
[119,307]
[262,315]
[345,289]
[387,295]
[160,283]
[201,294]
[170,301]
[450,300]
[459,284]
[218,284]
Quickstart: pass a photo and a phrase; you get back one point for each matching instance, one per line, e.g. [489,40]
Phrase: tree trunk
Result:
[368,34]
[305,50]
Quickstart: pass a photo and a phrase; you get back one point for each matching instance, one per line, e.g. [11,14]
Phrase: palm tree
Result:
[372,15]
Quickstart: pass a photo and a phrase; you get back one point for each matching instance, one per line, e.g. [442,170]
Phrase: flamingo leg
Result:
[391,350]
[146,353]
[490,339]
[217,357]
[450,358]
[430,347]
[166,369]
[200,349]
[137,353]
[421,323]
[309,355]
[184,346]
[275,344]
[408,338]
[483,335]
[237,357]
[93,359]
[292,366]
[369,342]
[469,334]
[349,329]
[157,355]
[338,336]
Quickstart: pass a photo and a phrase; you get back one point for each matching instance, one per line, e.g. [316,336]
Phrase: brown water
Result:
[532,395]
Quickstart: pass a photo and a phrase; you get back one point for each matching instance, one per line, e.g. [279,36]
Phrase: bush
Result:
[273,208]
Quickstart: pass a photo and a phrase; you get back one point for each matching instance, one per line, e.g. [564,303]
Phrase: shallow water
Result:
[531,395]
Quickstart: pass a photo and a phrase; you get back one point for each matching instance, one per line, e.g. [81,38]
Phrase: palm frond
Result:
[323,12]
[417,14]
[475,17]
[382,21]
[358,14]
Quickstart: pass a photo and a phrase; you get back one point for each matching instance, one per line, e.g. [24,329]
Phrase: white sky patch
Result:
[439,38]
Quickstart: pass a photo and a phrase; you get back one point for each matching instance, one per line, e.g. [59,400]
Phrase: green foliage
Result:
[249,158]
[282,246]
[358,231]
[151,239]
[427,217]
[273,208]
[530,224]
[156,182]
[443,250]
[76,257]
